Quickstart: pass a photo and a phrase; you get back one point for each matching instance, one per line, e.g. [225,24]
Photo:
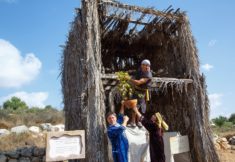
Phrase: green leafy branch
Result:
[124,87]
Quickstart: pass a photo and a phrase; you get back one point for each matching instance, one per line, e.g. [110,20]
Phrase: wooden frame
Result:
[65,145]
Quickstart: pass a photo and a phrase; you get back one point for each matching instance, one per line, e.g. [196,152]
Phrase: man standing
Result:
[141,80]
[117,136]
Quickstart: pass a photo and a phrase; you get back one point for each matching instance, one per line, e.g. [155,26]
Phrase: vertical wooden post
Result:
[95,116]
[81,82]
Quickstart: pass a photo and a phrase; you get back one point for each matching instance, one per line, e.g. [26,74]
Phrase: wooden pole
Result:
[81,81]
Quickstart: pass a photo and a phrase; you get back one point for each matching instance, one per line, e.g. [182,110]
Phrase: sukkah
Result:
[108,36]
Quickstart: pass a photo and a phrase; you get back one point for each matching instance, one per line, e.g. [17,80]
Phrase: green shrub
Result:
[232,118]
[219,121]
[33,116]
[228,125]
[15,103]
[4,114]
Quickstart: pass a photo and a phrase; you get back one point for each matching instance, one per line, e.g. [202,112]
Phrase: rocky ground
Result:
[35,136]
[225,147]
[226,155]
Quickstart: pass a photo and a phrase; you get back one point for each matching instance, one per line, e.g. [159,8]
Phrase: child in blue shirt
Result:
[117,136]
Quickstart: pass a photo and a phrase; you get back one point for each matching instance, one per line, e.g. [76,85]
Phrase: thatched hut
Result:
[107,37]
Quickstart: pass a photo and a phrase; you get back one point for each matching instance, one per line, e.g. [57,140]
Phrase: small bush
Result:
[6,124]
[43,116]
[13,141]
[228,125]
[232,118]
[4,113]
[15,103]
[29,117]
[219,121]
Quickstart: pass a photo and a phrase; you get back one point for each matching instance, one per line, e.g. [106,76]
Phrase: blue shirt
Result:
[117,136]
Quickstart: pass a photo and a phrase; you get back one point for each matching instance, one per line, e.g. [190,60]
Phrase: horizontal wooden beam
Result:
[130,21]
[165,79]
[153,79]
[140,9]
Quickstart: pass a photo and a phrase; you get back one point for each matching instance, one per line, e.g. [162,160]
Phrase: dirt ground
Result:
[226,155]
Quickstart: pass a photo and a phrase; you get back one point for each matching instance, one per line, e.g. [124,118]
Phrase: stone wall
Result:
[25,154]
[222,143]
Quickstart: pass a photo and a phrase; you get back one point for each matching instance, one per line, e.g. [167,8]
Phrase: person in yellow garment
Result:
[155,126]
[141,81]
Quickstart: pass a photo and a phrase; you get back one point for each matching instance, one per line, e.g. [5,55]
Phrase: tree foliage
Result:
[232,118]
[219,121]
[49,107]
[15,103]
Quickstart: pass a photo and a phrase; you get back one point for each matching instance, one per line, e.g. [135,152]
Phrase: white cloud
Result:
[207,67]
[31,99]
[212,42]
[15,70]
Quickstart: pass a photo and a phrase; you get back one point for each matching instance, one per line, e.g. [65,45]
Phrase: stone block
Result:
[26,151]
[3,158]
[39,151]
[20,129]
[13,154]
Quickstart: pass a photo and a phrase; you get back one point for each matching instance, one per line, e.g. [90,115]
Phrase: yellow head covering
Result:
[160,122]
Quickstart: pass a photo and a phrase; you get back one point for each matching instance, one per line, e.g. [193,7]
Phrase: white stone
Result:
[57,128]
[212,124]
[54,129]
[19,129]
[46,126]
[167,148]
[4,132]
[34,129]
[224,139]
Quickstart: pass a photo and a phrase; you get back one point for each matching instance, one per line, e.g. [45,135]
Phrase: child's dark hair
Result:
[110,113]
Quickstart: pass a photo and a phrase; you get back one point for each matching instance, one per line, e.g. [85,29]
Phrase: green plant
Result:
[232,118]
[124,87]
[219,121]
[15,103]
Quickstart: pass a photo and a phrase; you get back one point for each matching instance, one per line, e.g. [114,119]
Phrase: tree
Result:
[48,107]
[15,103]
[219,121]
[232,118]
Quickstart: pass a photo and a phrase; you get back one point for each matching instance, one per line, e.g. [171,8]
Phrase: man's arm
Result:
[139,82]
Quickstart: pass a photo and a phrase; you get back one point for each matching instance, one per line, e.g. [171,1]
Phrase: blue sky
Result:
[31,32]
